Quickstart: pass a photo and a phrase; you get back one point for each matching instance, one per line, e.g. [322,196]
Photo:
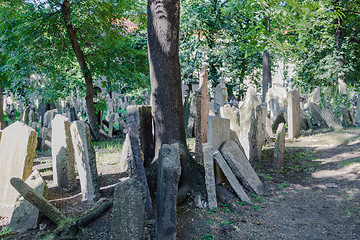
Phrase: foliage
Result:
[38,53]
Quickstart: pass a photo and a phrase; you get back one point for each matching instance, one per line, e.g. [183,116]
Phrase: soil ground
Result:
[315,196]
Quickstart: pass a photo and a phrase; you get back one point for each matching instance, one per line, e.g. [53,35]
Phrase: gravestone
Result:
[293,114]
[72,114]
[315,113]
[136,166]
[169,170]
[143,120]
[305,122]
[280,118]
[25,115]
[315,96]
[345,115]
[231,177]
[31,117]
[331,120]
[276,99]
[126,155]
[210,175]
[86,161]
[202,112]
[48,117]
[45,139]
[274,107]
[233,115]
[218,131]
[128,214]
[357,111]
[220,96]
[17,153]
[190,114]
[241,167]
[111,124]
[62,150]
[26,215]
[279,151]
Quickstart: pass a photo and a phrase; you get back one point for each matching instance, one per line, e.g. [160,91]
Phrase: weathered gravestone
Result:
[169,170]
[279,151]
[220,96]
[274,107]
[357,111]
[231,177]
[305,122]
[202,112]
[126,155]
[241,167]
[62,153]
[48,117]
[293,115]
[276,98]
[128,214]
[25,115]
[143,127]
[330,118]
[280,118]
[315,96]
[86,161]
[218,131]
[210,175]
[190,114]
[345,115]
[17,153]
[315,113]
[26,215]
[233,115]
[111,124]
[136,165]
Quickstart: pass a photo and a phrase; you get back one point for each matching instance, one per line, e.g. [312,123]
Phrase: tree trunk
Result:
[65,9]
[341,57]
[266,75]
[2,120]
[166,100]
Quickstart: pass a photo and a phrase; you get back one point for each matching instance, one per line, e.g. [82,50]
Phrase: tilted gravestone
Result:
[231,177]
[48,117]
[233,115]
[315,113]
[26,215]
[315,96]
[169,170]
[305,122]
[62,150]
[210,175]
[136,165]
[331,119]
[346,116]
[143,120]
[279,151]
[241,167]
[293,115]
[202,112]
[17,153]
[86,161]
[128,214]
[276,99]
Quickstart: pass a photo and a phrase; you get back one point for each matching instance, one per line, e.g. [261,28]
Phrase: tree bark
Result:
[266,75]
[166,100]
[95,129]
[2,120]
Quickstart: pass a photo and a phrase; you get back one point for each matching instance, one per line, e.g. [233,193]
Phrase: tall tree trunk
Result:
[2,120]
[266,75]
[166,101]
[341,57]
[65,9]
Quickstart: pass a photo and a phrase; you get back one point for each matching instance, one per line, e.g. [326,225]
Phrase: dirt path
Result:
[315,196]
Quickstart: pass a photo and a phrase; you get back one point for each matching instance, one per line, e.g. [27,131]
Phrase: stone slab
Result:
[241,167]
[231,177]
[210,175]
[279,151]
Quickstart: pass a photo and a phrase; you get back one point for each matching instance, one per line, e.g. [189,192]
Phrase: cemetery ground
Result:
[316,195]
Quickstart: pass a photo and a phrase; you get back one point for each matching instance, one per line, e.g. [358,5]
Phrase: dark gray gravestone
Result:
[279,152]
[241,167]
[231,177]
[137,164]
[143,120]
[86,161]
[25,215]
[210,175]
[128,214]
[315,113]
[331,119]
[169,170]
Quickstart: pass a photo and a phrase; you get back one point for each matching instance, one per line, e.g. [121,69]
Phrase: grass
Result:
[348,162]
[111,145]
